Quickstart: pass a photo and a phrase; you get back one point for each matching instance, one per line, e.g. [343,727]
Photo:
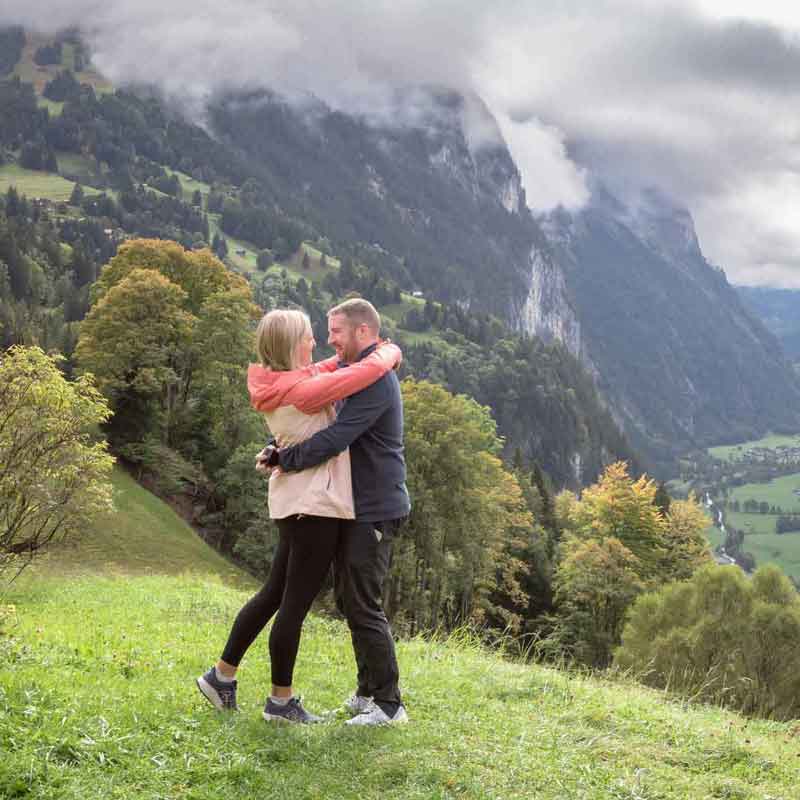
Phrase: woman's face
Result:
[305,347]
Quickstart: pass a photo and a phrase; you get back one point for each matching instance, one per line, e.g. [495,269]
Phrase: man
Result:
[370,423]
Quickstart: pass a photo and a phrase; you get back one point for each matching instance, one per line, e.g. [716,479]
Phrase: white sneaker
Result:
[376,716]
[358,704]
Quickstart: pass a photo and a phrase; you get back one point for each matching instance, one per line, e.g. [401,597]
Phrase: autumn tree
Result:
[617,543]
[620,507]
[54,472]
[134,341]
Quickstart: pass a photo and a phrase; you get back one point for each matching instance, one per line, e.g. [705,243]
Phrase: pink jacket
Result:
[297,404]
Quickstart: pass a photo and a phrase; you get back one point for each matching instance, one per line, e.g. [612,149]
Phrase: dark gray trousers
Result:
[362,563]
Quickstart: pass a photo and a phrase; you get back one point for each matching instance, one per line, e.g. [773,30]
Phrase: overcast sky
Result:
[697,97]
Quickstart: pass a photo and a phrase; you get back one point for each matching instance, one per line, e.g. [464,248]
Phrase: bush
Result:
[721,638]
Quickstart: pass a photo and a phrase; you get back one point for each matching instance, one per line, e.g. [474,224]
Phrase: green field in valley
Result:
[778,492]
[781,549]
[756,524]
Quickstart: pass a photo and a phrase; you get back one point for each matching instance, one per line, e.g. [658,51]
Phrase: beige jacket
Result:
[325,490]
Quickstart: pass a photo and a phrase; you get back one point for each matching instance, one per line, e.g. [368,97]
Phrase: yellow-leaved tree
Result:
[54,471]
[618,543]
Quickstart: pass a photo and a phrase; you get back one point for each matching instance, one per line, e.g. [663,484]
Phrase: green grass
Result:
[728,452]
[752,524]
[714,536]
[33,183]
[79,166]
[244,263]
[781,549]
[777,492]
[143,535]
[97,699]
[189,184]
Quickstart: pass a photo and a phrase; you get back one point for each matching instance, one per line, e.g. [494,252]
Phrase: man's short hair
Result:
[359,312]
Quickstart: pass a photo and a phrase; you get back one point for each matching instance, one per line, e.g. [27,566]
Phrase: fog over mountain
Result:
[679,95]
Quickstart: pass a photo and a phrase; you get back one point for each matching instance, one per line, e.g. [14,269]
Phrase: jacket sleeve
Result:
[360,412]
[328,365]
[315,393]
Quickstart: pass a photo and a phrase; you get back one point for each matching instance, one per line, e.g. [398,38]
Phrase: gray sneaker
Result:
[293,711]
[358,704]
[221,694]
[377,716]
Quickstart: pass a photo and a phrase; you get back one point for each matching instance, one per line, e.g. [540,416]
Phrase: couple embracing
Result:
[338,495]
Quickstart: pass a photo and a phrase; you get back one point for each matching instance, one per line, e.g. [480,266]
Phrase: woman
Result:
[297,398]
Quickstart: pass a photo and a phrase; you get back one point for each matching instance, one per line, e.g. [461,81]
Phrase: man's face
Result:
[343,338]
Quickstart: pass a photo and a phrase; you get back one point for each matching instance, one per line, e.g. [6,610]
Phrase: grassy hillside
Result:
[97,698]
[100,701]
[34,183]
[144,535]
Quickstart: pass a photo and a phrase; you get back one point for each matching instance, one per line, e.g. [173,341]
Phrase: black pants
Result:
[305,552]
[362,563]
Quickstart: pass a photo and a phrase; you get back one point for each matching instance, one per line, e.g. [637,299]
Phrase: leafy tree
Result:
[618,538]
[62,87]
[685,540]
[264,260]
[459,552]
[48,54]
[54,474]
[76,198]
[595,584]
[133,341]
[620,507]
[662,498]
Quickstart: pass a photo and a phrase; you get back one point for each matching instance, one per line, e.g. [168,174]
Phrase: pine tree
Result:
[76,198]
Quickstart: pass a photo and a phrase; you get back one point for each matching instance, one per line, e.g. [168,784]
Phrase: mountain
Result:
[626,289]
[779,310]
[680,359]
[425,199]
[322,205]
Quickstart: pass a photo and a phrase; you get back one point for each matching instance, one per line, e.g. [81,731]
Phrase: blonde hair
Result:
[359,312]
[278,335]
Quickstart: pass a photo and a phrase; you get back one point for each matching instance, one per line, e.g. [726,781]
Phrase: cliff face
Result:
[679,359]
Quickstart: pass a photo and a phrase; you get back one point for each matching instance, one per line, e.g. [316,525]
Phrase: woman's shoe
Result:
[221,694]
[293,711]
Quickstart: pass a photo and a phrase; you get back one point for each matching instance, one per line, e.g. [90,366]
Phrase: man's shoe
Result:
[358,704]
[220,694]
[377,716]
[293,711]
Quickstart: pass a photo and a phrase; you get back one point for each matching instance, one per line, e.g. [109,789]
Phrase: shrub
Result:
[722,638]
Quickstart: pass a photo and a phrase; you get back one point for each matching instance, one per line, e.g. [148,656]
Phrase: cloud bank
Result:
[698,100]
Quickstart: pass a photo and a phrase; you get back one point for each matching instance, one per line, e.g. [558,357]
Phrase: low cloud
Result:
[641,93]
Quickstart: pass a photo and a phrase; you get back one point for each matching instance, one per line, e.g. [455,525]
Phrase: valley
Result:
[754,487]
